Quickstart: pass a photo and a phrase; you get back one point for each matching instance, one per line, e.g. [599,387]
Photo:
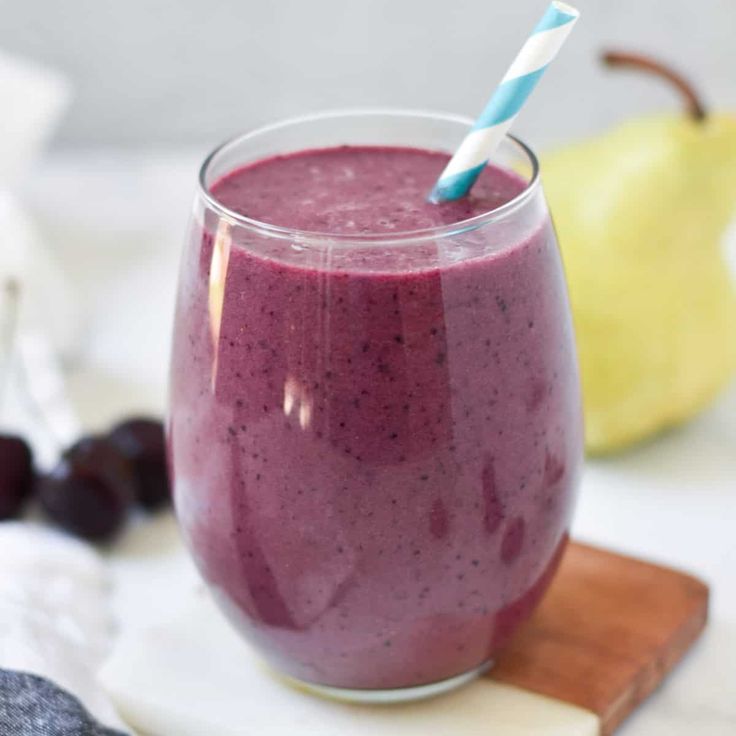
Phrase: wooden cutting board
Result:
[606,634]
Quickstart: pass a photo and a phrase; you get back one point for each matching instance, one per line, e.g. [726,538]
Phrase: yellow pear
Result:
[641,214]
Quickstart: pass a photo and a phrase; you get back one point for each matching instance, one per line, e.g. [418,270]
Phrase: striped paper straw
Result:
[521,78]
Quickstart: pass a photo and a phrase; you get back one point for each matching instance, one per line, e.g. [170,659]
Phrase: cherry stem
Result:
[693,103]
[9,296]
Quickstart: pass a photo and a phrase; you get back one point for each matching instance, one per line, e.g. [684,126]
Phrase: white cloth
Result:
[32,99]
[55,613]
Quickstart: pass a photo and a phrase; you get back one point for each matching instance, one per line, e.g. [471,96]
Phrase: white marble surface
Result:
[117,222]
[155,678]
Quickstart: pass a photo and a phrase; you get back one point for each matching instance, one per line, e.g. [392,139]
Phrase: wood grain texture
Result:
[606,634]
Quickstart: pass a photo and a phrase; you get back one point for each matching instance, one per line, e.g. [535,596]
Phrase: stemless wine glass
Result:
[375,439]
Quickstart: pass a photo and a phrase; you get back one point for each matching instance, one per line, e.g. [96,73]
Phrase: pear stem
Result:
[693,104]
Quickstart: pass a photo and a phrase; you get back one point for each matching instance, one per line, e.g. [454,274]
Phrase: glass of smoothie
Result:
[375,424]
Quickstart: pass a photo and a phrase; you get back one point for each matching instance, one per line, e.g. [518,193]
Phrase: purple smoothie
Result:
[375,446]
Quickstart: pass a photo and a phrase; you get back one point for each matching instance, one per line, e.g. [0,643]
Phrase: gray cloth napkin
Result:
[34,706]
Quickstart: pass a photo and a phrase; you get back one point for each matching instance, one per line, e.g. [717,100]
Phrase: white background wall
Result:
[151,72]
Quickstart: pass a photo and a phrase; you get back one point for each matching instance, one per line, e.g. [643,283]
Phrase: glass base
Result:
[392,695]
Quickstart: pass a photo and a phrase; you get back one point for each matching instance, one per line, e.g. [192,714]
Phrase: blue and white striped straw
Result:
[521,78]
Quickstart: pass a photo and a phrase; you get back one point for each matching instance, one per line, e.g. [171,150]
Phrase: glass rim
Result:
[398,237]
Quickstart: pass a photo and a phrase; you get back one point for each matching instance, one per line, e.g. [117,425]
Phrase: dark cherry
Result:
[90,491]
[142,442]
[16,475]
